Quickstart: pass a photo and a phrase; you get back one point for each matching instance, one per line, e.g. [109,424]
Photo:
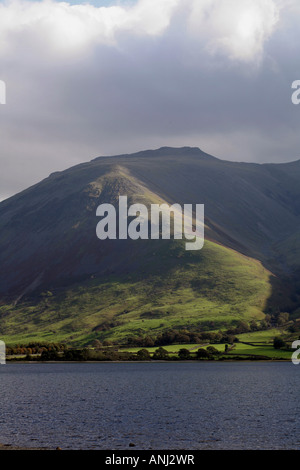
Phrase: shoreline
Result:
[14,447]
[240,361]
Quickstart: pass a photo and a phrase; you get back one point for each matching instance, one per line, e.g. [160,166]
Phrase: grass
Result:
[171,348]
[182,289]
[265,336]
[266,350]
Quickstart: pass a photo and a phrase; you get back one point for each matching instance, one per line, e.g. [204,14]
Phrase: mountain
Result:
[60,282]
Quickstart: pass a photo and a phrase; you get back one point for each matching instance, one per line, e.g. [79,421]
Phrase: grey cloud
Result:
[144,91]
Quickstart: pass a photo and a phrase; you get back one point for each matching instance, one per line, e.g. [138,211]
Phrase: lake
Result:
[182,405]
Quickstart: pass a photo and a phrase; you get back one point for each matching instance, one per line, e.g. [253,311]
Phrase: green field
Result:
[267,350]
[262,346]
[171,348]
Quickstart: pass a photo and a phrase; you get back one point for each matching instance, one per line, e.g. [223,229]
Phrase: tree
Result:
[242,327]
[160,353]
[263,325]
[96,344]
[202,354]
[268,318]
[148,341]
[182,338]
[292,328]
[278,343]
[212,350]
[49,356]
[253,325]
[228,338]
[184,354]
[143,355]
[283,317]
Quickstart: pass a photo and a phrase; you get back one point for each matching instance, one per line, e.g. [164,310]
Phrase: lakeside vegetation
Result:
[269,338]
[271,344]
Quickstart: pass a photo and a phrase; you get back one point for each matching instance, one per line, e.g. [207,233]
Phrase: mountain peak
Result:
[163,152]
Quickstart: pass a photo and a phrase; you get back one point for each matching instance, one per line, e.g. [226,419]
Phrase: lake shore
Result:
[12,447]
[177,361]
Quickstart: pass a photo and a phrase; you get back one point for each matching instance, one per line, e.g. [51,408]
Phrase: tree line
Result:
[34,348]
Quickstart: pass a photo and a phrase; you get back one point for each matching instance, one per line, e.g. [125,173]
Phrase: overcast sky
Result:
[110,77]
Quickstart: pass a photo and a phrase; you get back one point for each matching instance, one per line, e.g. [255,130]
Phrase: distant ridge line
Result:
[160,152]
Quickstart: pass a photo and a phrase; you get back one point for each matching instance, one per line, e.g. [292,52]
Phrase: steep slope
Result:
[49,236]
[248,206]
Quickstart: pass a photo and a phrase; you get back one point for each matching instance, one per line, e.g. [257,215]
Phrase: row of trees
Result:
[112,355]
[34,348]
[185,337]
[183,354]
[142,355]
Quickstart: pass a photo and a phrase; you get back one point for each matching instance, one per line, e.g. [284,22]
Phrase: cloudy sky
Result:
[108,77]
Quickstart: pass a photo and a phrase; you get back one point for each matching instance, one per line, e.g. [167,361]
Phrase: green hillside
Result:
[209,289]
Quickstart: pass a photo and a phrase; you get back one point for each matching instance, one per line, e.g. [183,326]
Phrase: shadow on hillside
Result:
[285,295]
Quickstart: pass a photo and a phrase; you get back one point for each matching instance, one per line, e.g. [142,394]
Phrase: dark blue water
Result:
[153,405]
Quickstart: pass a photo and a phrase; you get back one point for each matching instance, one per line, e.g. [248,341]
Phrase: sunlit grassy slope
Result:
[215,286]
